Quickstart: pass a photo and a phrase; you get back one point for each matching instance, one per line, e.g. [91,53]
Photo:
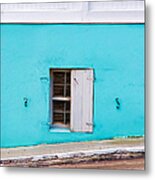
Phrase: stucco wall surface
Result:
[116,52]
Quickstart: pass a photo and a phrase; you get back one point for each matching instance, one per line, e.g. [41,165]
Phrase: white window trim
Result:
[105,11]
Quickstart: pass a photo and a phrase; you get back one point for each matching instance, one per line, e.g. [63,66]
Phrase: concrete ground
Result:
[127,153]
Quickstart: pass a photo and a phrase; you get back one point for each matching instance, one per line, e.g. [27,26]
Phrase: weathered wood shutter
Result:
[82,100]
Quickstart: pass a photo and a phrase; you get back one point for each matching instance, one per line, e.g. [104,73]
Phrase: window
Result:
[61,98]
[72,99]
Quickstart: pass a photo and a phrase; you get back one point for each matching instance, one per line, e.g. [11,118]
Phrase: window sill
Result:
[63,130]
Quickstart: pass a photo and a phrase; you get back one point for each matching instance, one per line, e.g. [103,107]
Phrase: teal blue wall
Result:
[116,52]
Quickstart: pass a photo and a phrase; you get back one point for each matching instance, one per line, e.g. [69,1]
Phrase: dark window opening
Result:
[61,97]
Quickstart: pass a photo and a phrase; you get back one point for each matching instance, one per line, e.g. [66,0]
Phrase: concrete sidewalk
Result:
[74,149]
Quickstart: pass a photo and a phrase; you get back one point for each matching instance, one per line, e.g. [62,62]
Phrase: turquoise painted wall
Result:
[116,52]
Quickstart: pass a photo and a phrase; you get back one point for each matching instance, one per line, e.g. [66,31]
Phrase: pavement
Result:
[72,148]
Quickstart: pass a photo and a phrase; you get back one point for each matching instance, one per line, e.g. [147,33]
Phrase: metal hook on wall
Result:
[118,103]
[25,101]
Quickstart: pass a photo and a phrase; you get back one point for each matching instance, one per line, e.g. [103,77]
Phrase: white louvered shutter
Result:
[82,100]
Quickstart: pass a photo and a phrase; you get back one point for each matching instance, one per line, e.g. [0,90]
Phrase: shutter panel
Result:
[82,100]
